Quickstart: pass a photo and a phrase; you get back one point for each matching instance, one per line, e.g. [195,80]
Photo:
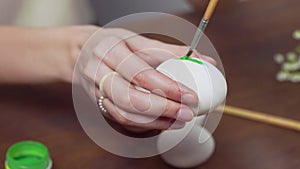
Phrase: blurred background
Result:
[70,12]
[248,34]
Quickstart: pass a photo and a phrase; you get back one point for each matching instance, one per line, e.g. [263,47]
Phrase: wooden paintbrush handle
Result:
[262,117]
[210,9]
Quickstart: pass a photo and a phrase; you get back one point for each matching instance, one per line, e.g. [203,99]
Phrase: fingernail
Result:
[177,125]
[190,99]
[185,114]
[210,60]
[196,55]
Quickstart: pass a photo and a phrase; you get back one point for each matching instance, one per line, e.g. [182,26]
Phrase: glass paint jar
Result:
[28,155]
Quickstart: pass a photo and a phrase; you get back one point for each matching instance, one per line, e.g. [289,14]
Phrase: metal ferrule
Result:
[198,35]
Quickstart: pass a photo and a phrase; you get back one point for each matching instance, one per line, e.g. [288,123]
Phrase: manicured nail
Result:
[185,114]
[177,125]
[209,59]
[190,99]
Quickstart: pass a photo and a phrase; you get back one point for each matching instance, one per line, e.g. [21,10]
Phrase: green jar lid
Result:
[27,155]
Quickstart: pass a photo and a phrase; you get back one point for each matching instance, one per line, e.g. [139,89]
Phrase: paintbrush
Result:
[203,24]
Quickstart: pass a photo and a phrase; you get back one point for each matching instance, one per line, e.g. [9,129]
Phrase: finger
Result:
[87,73]
[138,102]
[155,56]
[138,43]
[95,70]
[137,71]
[204,57]
[124,118]
[160,51]
[133,100]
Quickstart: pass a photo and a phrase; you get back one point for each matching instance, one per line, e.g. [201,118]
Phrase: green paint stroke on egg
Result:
[191,59]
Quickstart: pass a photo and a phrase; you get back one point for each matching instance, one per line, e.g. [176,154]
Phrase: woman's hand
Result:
[42,55]
[135,58]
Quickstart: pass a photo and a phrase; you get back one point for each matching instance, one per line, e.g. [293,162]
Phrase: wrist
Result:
[74,39]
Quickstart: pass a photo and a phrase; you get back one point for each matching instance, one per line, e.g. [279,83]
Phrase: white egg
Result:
[205,79]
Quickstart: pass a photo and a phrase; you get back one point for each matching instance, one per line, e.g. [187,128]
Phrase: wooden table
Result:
[246,35]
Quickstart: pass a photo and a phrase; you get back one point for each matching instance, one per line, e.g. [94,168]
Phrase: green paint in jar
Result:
[28,155]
